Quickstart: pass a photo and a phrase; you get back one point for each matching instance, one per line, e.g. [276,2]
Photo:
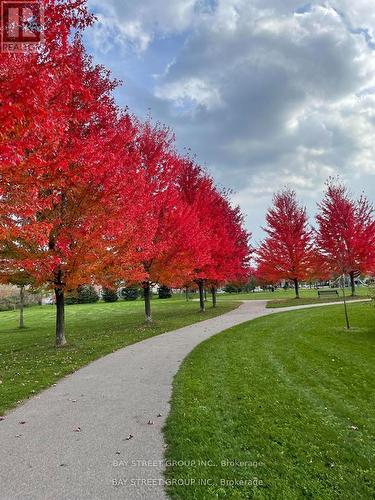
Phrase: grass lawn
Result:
[290,398]
[29,362]
[275,304]
[281,294]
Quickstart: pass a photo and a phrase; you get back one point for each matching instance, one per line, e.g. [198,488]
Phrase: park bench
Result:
[328,293]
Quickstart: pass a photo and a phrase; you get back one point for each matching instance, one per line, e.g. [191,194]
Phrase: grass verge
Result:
[286,401]
[29,362]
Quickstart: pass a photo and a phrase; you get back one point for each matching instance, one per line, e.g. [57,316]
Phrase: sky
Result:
[266,93]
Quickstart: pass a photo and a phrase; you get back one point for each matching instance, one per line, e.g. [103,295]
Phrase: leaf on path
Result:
[129,437]
[77,429]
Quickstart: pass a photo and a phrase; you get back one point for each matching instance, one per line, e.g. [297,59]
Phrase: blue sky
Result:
[267,93]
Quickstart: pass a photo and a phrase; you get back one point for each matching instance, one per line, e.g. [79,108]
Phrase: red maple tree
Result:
[287,251]
[222,253]
[62,145]
[162,240]
[346,232]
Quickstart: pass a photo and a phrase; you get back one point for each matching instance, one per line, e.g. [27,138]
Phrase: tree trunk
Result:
[60,317]
[213,292]
[22,305]
[147,298]
[187,294]
[296,287]
[201,295]
[352,283]
[345,304]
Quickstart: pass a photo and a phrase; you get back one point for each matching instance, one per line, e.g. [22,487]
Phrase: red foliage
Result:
[90,194]
[287,252]
[223,251]
[346,231]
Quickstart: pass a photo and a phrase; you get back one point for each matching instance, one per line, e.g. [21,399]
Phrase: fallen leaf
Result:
[129,437]
[77,429]
[150,422]
[22,422]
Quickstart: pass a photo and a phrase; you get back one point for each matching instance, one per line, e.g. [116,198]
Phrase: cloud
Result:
[266,92]
[285,89]
[130,24]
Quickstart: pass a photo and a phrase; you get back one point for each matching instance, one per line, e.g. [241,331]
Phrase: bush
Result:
[130,293]
[230,288]
[109,295]
[71,297]
[164,292]
[85,294]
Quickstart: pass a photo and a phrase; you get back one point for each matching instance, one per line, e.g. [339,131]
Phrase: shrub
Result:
[87,295]
[71,297]
[130,293]
[109,295]
[164,292]
[230,288]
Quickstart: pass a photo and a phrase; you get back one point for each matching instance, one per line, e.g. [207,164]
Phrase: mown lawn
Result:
[276,304]
[280,295]
[29,362]
[287,401]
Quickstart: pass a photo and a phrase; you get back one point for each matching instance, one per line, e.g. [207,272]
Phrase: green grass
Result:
[291,396]
[290,302]
[29,362]
[281,294]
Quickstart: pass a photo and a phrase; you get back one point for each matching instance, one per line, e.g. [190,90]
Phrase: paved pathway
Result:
[74,441]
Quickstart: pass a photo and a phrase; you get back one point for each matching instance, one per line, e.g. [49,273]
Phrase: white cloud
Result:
[293,89]
[134,24]
[266,92]
[190,90]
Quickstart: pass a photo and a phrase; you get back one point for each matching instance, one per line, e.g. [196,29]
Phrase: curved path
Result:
[103,424]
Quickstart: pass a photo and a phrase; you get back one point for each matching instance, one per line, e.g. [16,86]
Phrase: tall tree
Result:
[287,251]
[165,224]
[346,232]
[62,172]
[223,251]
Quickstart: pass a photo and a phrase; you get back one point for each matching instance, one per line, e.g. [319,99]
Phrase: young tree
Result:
[346,232]
[287,251]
